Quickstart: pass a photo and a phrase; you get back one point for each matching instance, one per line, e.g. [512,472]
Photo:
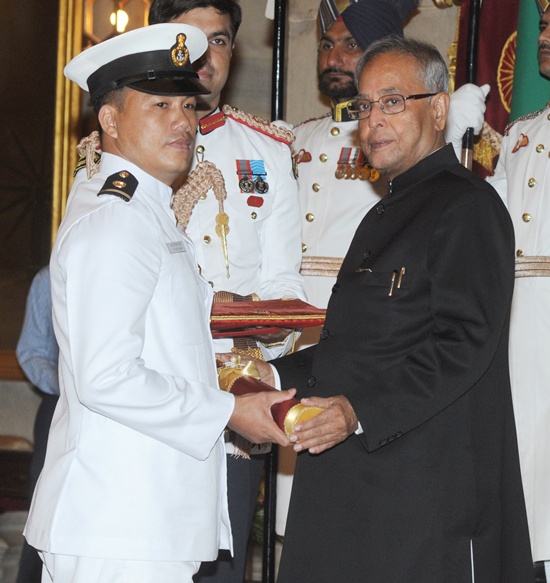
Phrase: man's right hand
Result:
[253,420]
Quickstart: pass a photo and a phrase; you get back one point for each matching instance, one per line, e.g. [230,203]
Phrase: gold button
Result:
[526,217]
[315,187]
[548,116]
[519,253]
[531,182]
[200,149]
[323,157]
[335,131]
[203,196]
[119,183]
[310,217]
[124,174]
[254,215]
[539,148]
[304,247]
[207,239]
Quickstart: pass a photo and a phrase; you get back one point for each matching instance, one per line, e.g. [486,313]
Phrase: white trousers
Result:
[69,569]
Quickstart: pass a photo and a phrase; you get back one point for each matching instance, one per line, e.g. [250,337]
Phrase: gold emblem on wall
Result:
[505,71]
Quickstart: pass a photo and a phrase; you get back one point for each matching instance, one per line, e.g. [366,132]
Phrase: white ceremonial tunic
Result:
[522,178]
[263,244]
[331,208]
[135,467]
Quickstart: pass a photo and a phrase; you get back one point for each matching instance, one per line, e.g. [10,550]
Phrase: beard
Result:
[341,89]
[544,59]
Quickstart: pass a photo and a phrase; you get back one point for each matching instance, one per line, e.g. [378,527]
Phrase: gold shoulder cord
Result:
[204,177]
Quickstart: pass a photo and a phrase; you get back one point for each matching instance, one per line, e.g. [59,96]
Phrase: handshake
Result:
[262,414]
[242,379]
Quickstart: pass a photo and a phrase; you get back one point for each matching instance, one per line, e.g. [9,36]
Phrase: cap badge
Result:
[179,53]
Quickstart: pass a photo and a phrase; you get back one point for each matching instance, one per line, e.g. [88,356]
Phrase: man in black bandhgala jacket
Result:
[411,473]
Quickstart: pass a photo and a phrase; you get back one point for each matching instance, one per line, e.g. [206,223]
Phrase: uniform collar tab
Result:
[211,122]
[340,111]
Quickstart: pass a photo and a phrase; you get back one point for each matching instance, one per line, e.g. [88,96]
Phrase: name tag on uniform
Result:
[176,247]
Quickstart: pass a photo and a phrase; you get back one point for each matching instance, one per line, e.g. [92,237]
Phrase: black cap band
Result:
[150,72]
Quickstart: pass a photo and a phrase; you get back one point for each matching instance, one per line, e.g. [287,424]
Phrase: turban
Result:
[542,5]
[367,20]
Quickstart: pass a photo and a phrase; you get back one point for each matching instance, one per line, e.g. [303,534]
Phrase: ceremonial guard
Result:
[522,178]
[261,253]
[337,187]
[248,249]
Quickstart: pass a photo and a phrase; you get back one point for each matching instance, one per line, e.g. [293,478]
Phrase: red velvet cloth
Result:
[230,319]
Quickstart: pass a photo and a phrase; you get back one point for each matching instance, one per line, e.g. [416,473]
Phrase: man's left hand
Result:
[274,337]
[334,425]
[467,110]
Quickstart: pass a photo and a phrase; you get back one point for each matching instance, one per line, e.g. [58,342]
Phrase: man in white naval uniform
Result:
[336,184]
[133,486]
[263,251]
[522,178]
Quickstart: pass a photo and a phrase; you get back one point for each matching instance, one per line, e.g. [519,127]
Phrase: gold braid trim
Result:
[533,266]
[487,146]
[89,148]
[259,124]
[526,117]
[204,177]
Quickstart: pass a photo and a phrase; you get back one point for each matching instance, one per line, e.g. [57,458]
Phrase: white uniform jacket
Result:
[263,244]
[331,208]
[135,467]
[522,178]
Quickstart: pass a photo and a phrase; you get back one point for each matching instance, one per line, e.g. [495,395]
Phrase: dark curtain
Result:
[27,96]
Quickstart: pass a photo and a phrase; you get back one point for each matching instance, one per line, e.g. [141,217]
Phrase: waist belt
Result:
[326,266]
[533,266]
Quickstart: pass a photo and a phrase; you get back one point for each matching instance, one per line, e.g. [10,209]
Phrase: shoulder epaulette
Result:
[211,122]
[525,117]
[259,124]
[122,184]
[328,114]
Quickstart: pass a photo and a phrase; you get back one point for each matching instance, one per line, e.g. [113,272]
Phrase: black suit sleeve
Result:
[295,370]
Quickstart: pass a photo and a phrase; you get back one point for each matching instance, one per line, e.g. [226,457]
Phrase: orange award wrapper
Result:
[241,380]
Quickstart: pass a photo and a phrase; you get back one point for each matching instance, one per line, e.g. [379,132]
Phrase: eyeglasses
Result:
[360,108]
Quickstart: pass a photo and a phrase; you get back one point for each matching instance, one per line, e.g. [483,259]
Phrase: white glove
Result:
[467,110]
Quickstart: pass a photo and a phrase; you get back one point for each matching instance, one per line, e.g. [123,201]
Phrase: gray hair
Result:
[432,68]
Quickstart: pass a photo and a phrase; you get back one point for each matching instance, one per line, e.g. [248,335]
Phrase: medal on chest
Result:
[252,180]
[353,165]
